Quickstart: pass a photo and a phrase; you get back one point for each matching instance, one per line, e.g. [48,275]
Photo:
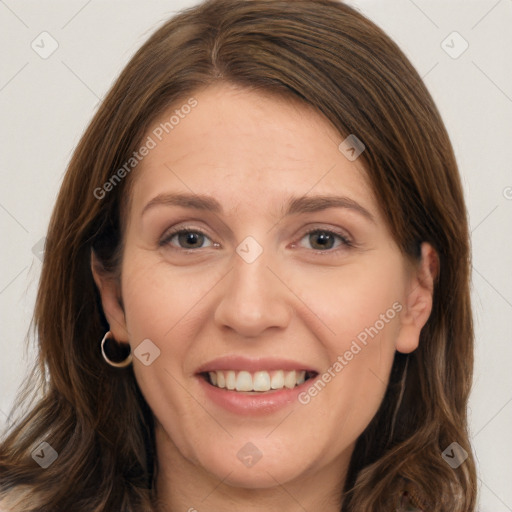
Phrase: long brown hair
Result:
[327,55]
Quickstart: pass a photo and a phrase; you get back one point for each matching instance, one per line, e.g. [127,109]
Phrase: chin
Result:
[256,465]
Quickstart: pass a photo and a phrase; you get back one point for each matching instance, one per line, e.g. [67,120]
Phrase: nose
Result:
[253,299]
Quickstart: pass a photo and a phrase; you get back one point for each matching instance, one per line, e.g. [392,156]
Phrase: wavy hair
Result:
[324,54]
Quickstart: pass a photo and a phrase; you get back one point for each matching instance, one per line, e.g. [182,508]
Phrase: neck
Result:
[182,486]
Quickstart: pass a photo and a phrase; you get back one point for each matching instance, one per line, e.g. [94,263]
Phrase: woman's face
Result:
[286,271]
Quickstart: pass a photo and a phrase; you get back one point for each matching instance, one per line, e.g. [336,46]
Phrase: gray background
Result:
[46,104]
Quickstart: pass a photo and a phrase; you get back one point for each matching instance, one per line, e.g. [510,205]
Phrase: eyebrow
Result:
[295,205]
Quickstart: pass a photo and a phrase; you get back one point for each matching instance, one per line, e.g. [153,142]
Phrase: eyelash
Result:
[345,241]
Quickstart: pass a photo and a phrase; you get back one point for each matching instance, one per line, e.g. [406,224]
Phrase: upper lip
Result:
[240,363]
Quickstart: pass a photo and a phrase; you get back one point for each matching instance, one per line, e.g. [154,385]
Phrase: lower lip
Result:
[255,403]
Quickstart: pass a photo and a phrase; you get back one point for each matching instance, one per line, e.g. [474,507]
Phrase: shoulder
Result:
[14,500]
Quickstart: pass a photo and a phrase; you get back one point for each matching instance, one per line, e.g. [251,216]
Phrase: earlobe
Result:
[109,293]
[418,301]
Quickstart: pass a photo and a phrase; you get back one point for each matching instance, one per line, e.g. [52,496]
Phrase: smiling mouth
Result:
[260,381]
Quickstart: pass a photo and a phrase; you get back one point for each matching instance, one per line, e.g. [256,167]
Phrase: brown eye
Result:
[187,239]
[191,240]
[322,240]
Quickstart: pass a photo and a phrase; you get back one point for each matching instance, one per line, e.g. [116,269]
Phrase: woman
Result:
[255,293]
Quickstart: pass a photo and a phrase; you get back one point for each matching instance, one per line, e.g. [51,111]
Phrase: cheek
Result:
[350,301]
[357,311]
[352,386]
[160,303]
[165,307]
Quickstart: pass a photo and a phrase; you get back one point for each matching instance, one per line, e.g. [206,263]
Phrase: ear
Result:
[110,300]
[418,302]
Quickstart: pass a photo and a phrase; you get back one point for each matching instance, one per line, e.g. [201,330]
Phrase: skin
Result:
[297,300]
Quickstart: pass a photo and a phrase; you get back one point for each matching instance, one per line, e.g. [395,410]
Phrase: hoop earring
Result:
[121,364]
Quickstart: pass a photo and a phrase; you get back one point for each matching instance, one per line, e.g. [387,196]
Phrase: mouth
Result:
[255,387]
[257,382]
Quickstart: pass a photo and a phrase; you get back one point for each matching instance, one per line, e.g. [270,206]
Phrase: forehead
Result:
[243,146]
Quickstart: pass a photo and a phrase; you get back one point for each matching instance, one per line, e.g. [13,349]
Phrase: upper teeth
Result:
[257,381]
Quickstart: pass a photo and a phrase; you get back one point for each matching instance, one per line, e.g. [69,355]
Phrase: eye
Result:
[187,239]
[324,240]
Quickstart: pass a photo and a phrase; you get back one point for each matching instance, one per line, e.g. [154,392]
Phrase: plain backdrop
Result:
[46,103]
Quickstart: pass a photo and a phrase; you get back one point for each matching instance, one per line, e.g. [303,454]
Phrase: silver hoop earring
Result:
[116,364]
